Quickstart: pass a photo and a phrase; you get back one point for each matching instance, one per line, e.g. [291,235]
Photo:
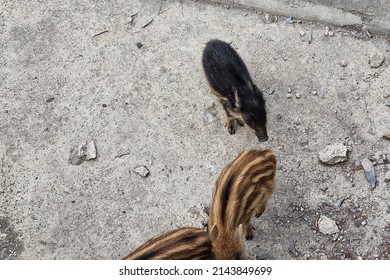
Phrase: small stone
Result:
[369,172]
[326,31]
[297,95]
[304,141]
[290,20]
[359,258]
[50,100]
[292,248]
[269,90]
[91,151]
[327,226]
[302,33]
[386,136]
[387,176]
[343,63]
[363,223]
[376,60]
[142,171]
[331,33]
[129,20]
[79,154]
[289,96]
[289,90]
[139,45]
[262,255]
[333,154]
[314,92]
[210,115]
[208,118]
[270,18]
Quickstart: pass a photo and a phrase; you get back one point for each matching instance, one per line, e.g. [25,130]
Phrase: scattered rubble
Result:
[376,60]
[209,115]
[292,248]
[343,63]
[142,171]
[122,153]
[269,90]
[387,176]
[333,154]
[129,20]
[270,18]
[328,32]
[369,172]
[290,20]
[379,158]
[81,153]
[327,225]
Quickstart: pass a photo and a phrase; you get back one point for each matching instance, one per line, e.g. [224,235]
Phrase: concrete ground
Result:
[64,80]
[371,16]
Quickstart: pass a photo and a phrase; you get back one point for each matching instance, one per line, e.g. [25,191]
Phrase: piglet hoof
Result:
[231,130]
[240,122]
[249,236]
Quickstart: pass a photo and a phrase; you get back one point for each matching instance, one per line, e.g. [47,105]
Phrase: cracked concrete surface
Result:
[62,86]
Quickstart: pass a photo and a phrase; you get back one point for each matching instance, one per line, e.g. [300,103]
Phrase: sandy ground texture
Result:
[78,71]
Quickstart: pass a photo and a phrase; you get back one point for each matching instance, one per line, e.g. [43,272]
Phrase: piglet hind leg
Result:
[240,122]
[248,230]
[229,121]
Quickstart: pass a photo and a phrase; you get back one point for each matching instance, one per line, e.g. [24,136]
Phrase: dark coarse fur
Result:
[181,244]
[231,82]
[241,191]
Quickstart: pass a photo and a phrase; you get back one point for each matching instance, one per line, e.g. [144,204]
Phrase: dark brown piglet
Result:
[230,81]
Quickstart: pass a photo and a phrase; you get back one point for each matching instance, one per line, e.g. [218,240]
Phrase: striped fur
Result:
[241,191]
[180,244]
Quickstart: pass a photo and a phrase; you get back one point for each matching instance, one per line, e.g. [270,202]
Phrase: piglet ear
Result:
[237,102]
[214,232]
